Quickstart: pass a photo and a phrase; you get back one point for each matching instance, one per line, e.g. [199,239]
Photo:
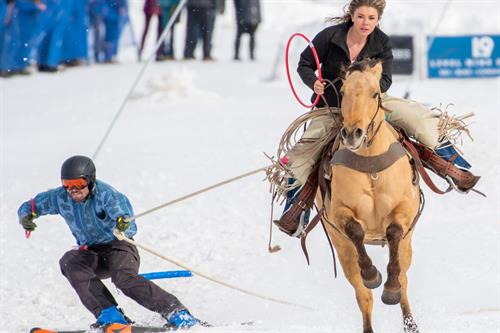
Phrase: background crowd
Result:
[51,34]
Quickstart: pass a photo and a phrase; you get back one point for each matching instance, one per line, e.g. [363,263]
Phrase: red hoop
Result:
[320,76]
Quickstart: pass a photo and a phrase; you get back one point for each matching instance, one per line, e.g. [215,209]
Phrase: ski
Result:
[114,328]
[121,328]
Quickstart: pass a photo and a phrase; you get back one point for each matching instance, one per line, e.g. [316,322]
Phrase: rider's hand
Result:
[319,87]
[27,222]
[122,224]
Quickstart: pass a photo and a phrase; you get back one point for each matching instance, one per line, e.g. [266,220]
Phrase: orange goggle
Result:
[77,184]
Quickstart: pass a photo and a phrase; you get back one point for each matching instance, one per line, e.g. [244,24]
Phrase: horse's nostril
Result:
[358,133]
[343,133]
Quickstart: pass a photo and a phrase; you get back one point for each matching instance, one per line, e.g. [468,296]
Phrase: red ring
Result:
[320,76]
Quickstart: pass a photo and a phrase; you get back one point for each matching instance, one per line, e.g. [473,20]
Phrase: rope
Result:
[318,66]
[162,37]
[120,236]
[227,181]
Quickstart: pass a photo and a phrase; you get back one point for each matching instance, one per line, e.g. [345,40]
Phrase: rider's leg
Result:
[421,123]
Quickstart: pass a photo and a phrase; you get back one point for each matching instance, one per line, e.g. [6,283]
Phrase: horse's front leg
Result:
[400,256]
[392,287]
[347,255]
[369,273]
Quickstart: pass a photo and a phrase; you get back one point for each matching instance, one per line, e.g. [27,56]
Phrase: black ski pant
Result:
[119,261]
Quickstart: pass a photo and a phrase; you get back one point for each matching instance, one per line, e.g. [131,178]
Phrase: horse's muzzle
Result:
[352,139]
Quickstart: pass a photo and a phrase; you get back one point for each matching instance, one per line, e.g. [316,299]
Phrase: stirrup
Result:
[452,184]
[303,222]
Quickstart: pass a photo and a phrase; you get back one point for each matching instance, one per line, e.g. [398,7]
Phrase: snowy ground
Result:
[190,125]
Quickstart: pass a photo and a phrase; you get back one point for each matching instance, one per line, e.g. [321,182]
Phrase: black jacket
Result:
[333,54]
[218,5]
[247,12]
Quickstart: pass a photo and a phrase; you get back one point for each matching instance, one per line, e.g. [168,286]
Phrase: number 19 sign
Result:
[463,56]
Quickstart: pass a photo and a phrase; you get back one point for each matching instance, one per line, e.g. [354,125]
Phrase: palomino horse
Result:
[373,199]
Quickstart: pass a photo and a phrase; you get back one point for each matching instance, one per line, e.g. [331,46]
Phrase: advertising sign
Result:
[463,56]
[402,50]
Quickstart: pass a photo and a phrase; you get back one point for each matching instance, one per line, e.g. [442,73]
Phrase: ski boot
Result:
[109,316]
[181,319]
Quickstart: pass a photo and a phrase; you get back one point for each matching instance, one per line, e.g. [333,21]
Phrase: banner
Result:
[402,50]
[463,56]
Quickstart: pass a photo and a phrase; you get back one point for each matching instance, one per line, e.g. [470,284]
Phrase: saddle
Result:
[291,222]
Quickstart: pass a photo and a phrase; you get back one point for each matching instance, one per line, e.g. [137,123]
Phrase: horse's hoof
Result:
[390,297]
[374,283]
[409,324]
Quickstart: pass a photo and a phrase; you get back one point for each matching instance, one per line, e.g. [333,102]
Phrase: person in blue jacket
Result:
[96,21]
[92,210]
[74,46]
[9,38]
[115,16]
[53,24]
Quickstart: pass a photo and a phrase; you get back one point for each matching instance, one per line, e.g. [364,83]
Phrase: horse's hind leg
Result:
[371,276]
[392,288]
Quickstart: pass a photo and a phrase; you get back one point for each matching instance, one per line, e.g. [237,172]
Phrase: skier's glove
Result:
[27,222]
[122,224]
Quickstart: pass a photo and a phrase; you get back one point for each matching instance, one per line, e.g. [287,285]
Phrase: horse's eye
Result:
[375,95]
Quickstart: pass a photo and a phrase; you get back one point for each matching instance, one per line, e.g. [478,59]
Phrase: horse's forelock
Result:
[361,66]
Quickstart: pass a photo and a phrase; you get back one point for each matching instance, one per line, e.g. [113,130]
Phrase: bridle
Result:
[371,124]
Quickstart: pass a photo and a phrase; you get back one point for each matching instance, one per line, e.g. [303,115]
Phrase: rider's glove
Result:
[27,222]
[122,223]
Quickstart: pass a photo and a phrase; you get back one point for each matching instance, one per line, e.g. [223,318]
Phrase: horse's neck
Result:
[380,143]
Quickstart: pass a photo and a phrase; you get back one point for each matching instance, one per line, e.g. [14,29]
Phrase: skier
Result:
[93,209]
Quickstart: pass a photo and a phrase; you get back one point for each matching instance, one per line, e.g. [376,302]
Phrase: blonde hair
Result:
[351,7]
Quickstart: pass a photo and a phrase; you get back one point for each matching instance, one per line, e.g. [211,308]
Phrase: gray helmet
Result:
[79,167]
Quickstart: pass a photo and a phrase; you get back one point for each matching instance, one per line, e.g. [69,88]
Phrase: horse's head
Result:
[360,102]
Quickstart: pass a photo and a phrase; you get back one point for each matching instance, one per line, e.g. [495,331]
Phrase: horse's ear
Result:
[377,69]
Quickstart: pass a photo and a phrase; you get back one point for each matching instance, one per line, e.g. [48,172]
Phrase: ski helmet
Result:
[79,167]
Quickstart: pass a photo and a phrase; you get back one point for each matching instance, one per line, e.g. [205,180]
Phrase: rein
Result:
[372,123]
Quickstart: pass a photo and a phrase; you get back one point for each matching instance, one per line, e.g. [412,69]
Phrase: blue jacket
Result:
[92,221]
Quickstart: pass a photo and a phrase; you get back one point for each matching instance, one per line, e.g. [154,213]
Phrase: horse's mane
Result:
[360,66]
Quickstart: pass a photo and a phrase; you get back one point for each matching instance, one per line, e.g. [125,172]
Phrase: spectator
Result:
[168,8]
[151,8]
[75,46]
[200,24]
[248,17]
[28,17]
[53,24]
[9,38]
[107,19]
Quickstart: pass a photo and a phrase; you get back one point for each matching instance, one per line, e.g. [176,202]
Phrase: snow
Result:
[190,125]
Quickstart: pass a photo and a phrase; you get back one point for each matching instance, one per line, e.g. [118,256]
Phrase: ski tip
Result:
[121,328]
[41,330]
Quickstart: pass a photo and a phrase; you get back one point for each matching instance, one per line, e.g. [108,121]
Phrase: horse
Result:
[374,196]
